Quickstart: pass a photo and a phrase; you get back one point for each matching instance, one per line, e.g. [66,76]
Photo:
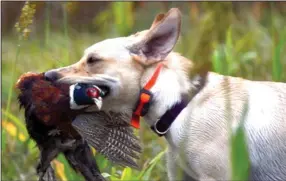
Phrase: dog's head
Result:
[118,64]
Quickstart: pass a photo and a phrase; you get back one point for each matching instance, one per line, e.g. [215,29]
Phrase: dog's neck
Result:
[171,84]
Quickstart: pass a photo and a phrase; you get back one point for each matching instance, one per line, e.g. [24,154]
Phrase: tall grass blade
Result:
[229,51]
[146,173]
[123,17]
[239,158]
[16,121]
[126,174]
[47,22]
[3,139]
[10,92]
[60,170]
[239,151]
[68,172]
[217,60]
[67,40]
[277,62]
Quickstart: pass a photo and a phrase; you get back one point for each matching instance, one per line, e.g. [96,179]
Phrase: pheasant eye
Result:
[92,60]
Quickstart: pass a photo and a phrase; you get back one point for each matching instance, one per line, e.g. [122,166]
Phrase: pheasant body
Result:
[58,129]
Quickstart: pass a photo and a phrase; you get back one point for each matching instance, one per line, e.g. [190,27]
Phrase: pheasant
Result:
[56,128]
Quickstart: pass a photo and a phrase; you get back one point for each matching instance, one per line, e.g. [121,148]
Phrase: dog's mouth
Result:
[109,85]
[105,89]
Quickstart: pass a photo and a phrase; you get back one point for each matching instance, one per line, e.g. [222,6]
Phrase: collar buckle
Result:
[144,102]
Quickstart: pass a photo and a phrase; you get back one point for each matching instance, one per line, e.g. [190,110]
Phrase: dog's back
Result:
[218,108]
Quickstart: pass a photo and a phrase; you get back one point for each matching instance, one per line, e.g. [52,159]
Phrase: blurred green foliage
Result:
[246,41]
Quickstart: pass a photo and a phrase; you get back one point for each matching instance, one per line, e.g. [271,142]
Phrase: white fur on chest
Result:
[175,135]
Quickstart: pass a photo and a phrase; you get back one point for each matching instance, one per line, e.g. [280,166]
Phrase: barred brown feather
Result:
[118,143]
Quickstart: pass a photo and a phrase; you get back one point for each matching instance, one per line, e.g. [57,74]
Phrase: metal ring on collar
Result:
[157,131]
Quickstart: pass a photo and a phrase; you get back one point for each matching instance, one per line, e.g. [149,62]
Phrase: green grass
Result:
[247,48]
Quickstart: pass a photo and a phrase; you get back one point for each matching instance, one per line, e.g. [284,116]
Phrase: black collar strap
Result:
[162,126]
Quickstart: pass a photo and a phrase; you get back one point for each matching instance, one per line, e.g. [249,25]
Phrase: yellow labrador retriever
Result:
[145,78]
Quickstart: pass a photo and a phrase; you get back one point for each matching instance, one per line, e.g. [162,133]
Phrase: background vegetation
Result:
[245,39]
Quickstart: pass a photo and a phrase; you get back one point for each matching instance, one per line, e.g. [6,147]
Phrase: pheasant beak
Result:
[98,102]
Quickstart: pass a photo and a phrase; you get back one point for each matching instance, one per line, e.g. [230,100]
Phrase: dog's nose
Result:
[52,75]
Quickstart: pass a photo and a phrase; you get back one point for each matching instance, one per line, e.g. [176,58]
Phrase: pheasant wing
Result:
[117,143]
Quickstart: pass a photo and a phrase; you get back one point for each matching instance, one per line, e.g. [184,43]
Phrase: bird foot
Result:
[66,145]
[54,132]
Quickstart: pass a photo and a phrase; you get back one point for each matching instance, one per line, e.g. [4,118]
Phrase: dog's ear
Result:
[157,20]
[160,39]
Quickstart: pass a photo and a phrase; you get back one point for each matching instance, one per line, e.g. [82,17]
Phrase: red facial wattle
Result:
[93,92]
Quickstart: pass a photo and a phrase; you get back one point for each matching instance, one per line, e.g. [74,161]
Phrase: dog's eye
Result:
[92,60]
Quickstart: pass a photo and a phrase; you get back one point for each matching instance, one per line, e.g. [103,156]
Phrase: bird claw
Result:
[69,144]
[54,132]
